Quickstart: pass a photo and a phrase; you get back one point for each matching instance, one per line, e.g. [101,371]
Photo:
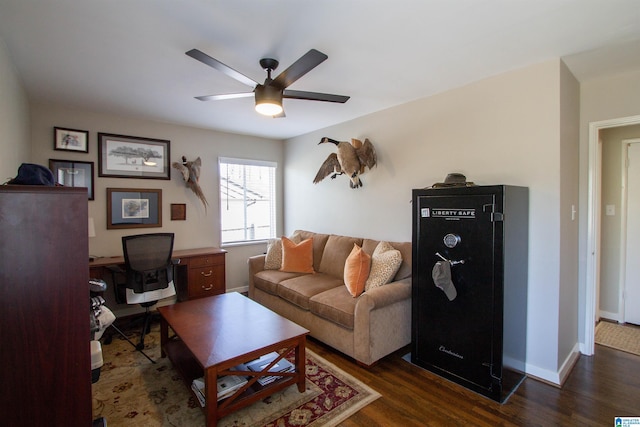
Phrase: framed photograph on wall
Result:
[70,140]
[121,156]
[72,173]
[134,208]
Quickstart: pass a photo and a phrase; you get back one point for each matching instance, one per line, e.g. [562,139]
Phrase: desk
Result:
[201,272]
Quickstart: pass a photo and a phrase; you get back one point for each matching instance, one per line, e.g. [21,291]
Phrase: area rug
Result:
[131,391]
[620,337]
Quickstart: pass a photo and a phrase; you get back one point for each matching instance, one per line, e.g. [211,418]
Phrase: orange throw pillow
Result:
[356,270]
[297,258]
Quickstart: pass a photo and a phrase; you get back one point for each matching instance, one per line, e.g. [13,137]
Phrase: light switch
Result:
[610,210]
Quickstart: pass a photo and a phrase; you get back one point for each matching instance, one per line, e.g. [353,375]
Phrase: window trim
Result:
[248,162]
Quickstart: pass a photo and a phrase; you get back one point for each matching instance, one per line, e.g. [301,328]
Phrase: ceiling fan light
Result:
[269,109]
[268,100]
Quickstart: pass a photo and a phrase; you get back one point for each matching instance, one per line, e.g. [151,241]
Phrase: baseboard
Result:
[616,317]
[556,378]
[569,363]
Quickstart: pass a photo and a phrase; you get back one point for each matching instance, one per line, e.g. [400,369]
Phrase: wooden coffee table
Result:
[214,334]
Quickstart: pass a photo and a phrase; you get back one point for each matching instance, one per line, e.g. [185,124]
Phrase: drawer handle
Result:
[207,274]
[208,288]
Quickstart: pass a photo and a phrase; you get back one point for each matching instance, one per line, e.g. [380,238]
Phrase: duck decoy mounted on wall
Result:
[191,173]
[351,159]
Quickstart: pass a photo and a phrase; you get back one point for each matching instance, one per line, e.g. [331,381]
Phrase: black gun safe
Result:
[469,286]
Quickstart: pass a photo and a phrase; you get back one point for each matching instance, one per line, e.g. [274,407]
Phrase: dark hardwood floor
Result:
[599,388]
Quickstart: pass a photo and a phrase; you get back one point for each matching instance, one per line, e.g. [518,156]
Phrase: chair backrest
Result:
[148,261]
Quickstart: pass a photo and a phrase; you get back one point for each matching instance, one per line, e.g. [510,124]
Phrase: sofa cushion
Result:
[299,289]
[405,248]
[335,254]
[356,270]
[335,305]
[268,280]
[319,241]
[385,263]
[297,257]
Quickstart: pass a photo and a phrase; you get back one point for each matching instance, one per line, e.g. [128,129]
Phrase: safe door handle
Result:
[452,263]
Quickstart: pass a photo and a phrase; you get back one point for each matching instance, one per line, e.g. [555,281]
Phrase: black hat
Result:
[32,174]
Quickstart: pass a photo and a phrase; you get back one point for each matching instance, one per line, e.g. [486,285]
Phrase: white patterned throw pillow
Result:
[273,260]
[385,263]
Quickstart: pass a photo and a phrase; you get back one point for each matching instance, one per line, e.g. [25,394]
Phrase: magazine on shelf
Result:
[283,365]
[198,390]
[226,386]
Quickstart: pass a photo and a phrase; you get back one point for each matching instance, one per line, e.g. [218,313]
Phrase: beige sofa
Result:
[367,327]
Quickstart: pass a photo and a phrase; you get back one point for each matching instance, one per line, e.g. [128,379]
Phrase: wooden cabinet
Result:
[45,361]
[206,276]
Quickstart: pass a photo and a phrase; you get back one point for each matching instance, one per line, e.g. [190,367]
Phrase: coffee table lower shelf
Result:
[189,369]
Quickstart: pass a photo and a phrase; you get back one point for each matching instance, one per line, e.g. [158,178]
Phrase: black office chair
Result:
[148,273]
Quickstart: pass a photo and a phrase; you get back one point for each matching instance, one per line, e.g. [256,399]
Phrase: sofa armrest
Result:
[382,321]
[256,264]
[387,294]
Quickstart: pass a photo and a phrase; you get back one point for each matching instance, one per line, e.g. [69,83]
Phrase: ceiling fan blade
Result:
[314,96]
[302,66]
[226,96]
[212,62]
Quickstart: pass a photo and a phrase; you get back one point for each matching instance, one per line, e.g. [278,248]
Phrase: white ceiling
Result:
[128,56]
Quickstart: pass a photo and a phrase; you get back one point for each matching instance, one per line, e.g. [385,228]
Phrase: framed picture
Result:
[71,173]
[178,211]
[121,156]
[70,140]
[134,208]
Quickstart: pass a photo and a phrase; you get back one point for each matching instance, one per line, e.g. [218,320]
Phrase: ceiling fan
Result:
[268,95]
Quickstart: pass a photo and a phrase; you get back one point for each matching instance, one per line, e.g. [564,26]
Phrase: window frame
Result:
[222,161]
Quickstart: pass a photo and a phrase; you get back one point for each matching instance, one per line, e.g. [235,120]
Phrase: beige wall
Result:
[502,130]
[201,228]
[14,119]
[569,184]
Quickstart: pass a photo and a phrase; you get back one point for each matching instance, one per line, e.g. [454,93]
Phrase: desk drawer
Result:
[206,281]
[206,260]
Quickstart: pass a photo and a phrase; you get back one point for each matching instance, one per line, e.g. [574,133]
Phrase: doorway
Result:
[593,225]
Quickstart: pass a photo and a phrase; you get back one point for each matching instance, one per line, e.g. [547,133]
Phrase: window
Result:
[247,200]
